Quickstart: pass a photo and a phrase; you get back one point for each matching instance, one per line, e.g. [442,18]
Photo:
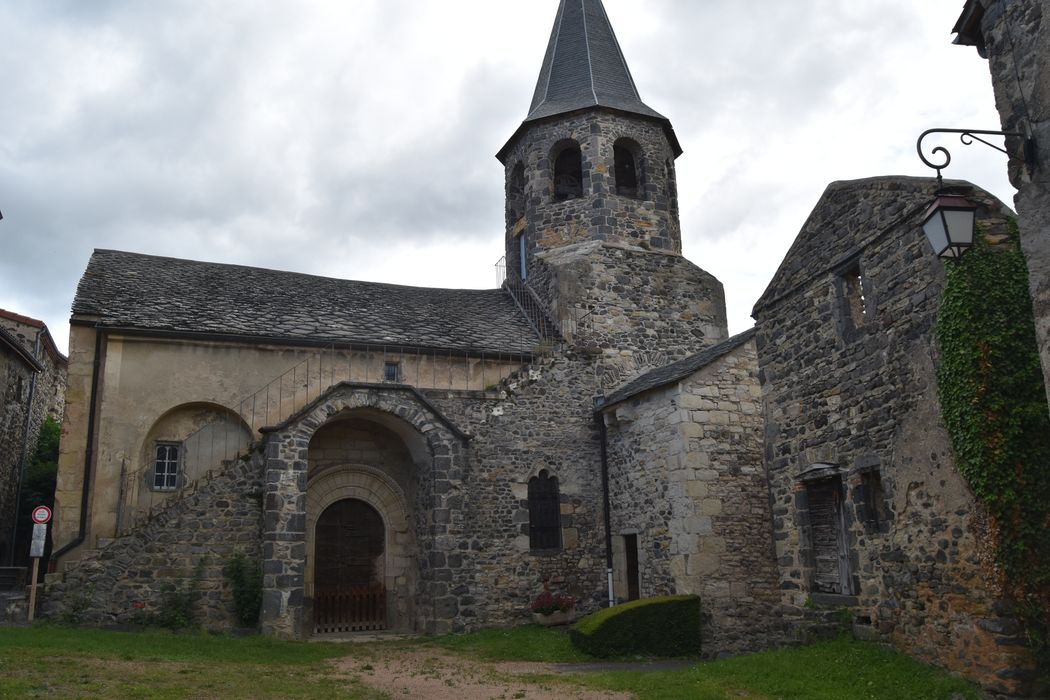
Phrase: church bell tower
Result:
[591,194]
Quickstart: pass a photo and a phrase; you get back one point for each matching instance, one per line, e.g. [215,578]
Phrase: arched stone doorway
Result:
[392,450]
[362,563]
[349,586]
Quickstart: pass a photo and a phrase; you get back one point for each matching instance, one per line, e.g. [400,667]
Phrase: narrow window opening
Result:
[625,170]
[18,389]
[568,173]
[630,545]
[166,467]
[544,512]
[874,499]
[853,295]
[516,195]
[391,371]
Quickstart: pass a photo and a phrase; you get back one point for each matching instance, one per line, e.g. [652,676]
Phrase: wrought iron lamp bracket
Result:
[967,137]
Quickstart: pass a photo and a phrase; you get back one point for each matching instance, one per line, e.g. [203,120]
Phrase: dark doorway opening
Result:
[349,590]
[630,546]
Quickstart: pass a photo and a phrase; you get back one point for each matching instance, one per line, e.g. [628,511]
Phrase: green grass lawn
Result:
[60,662]
[47,661]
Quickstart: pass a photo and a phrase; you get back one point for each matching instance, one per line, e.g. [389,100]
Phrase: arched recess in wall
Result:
[182,445]
[516,194]
[567,170]
[627,168]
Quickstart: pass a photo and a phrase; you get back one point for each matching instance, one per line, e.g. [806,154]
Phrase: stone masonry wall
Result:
[125,579]
[15,378]
[686,476]
[854,398]
[541,420]
[18,387]
[630,305]
[1017,34]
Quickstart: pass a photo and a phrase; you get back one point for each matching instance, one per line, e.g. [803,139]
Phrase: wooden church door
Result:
[349,591]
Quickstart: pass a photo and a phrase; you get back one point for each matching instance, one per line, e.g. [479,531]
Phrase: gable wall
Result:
[865,401]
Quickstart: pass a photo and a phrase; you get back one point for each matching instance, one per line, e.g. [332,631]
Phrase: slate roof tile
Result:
[147,292]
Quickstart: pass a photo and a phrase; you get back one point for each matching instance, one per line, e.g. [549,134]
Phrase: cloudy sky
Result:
[356,138]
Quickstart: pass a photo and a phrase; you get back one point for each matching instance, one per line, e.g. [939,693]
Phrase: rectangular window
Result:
[391,371]
[874,499]
[166,468]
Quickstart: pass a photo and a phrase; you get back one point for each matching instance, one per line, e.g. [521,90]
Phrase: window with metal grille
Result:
[544,512]
[166,468]
[391,371]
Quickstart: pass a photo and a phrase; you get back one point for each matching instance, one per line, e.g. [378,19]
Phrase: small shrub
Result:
[547,603]
[177,601]
[663,626]
[77,604]
[245,576]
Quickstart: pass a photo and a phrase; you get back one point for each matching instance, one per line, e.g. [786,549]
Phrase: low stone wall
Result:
[186,545]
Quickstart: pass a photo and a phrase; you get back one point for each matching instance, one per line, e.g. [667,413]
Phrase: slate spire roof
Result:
[585,68]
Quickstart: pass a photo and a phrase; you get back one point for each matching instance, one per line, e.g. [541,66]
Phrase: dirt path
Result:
[438,675]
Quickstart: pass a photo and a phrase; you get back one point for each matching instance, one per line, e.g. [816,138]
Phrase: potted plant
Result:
[553,608]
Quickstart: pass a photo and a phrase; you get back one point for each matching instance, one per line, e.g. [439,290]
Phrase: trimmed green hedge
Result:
[663,626]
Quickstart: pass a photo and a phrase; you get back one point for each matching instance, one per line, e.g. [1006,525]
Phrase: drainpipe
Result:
[89,453]
[600,417]
[24,459]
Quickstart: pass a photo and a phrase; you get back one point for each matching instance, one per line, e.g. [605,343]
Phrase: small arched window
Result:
[568,172]
[516,194]
[626,168]
[544,512]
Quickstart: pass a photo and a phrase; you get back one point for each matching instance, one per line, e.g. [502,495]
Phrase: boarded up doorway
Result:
[831,573]
[349,593]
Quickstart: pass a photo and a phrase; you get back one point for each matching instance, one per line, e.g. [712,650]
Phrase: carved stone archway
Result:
[437,449]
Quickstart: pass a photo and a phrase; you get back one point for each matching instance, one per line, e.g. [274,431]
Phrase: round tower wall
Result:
[645,215]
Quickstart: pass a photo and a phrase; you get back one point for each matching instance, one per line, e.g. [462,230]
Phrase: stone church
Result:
[429,459]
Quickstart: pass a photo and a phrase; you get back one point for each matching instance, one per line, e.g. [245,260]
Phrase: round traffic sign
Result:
[41,514]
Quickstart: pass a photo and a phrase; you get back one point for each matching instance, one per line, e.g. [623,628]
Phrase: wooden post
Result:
[32,588]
